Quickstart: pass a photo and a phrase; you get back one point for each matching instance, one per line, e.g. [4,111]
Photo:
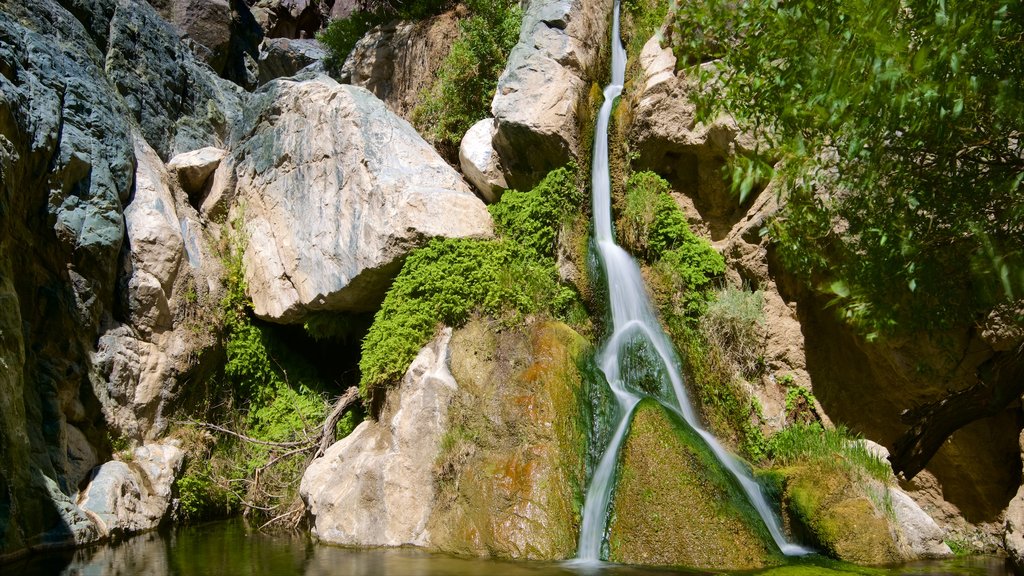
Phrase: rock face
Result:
[376,486]
[1013,537]
[479,162]
[281,57]
[398,60]
[509,405]
[546,77]
[520,415]
[223,34]
[670,141]
[78,187]
[134,496]
[336,190]
[172,285]
[668,489]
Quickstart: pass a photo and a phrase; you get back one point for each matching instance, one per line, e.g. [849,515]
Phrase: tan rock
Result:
[376,486]
[399,60]
[334,190]
[195,168]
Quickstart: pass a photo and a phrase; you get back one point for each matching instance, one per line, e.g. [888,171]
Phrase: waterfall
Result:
[634,321]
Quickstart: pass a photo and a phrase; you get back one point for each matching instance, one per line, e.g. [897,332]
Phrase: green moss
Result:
[511,469]
[675,505]
[833,511]
[443,282]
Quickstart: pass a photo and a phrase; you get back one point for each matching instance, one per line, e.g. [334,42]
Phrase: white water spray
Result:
[633,318]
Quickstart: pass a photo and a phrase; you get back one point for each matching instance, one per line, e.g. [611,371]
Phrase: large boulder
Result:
[376,486]
[397,61]
[479,451]
[334,190]
[536,104]
[513,463]
[676,505]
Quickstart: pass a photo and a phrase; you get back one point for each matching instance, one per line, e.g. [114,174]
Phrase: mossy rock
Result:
[836,514]
[511,471]
[675,505]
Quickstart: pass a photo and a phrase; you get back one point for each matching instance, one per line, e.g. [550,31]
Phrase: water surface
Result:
[233,549]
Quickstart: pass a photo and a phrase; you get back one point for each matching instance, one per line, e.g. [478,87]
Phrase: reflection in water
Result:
[231,549]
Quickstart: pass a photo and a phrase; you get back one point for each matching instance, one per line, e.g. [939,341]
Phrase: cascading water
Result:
[633,323]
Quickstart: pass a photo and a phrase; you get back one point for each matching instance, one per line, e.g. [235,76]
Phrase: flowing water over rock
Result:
[637,333]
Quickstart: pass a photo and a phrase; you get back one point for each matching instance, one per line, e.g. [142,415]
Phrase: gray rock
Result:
[479,162]
[336,190]
[128,497]
[376,486]
[1013,536]
[921,534]
[281,57]
[180,104]
[538,94]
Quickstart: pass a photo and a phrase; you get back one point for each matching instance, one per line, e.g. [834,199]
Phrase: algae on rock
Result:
[511,470]
[675,505]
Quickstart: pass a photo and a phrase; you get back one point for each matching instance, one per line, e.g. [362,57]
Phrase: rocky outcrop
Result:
[222,33]
[689,154]
[179,104]
[376,486]
[477,400]
[335,191]
[547,75]
[675,505]
[171,290]
[399,60]
[291,18]
[126,497]
[521,415]
[479,162]
[281,57]
[1013,536]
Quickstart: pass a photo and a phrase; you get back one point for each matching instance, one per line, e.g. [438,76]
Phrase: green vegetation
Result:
[466,82]
[443,282]
[341,35]
[641,20]
[273,406]
[676,505]
[734,323]
[686,267]
[836,447]
[897,123]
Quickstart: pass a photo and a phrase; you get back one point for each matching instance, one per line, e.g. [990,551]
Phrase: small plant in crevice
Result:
[734,323]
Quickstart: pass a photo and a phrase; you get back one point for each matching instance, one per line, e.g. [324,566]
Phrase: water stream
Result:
[634,324]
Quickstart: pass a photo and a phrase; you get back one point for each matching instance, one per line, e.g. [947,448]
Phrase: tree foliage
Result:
[898,126]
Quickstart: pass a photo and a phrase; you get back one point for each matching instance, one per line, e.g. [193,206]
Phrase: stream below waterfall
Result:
[230,548]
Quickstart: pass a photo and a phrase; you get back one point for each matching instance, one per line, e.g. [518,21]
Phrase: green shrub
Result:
[465,84]
[445,281]
[734,322]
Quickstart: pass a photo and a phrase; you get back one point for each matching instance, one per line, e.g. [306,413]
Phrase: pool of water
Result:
[233,549]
